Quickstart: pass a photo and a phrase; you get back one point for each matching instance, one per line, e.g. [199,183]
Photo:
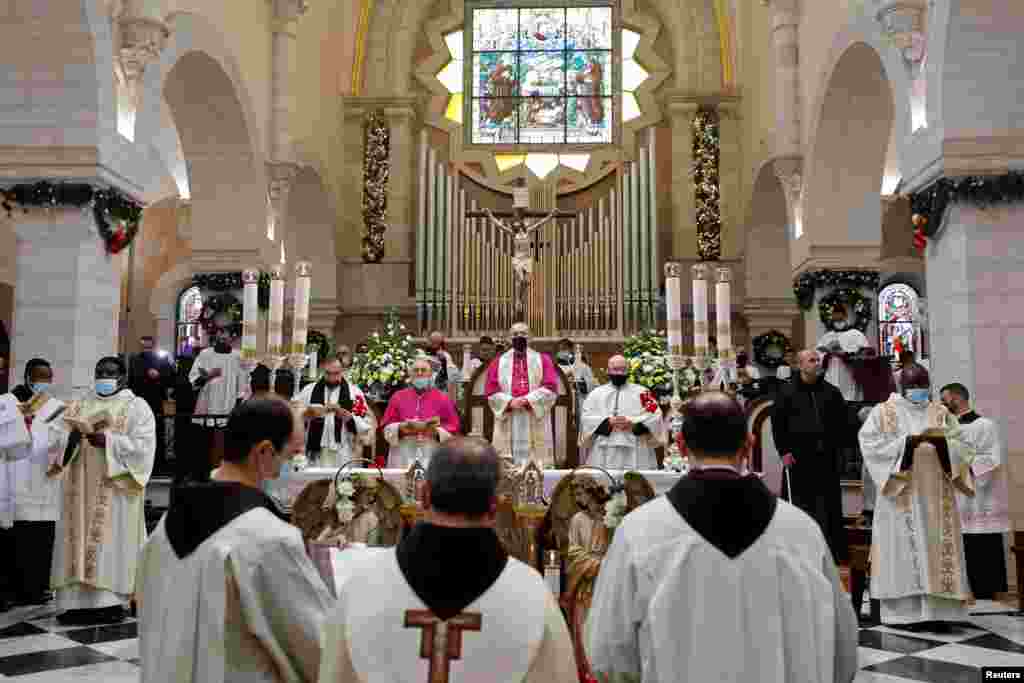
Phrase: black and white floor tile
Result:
[34,648]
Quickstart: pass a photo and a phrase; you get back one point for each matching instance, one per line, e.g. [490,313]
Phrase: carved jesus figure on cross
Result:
[521,229]
[441,641]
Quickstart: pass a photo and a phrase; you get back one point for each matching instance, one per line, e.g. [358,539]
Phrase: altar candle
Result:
[250,312]
[275,330]
[700,310]
[672,304]
[723,303]
[303,271]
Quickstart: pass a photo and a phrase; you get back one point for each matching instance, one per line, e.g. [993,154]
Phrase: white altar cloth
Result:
[287,489]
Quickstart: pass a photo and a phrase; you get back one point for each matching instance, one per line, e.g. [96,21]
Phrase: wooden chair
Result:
[480,419]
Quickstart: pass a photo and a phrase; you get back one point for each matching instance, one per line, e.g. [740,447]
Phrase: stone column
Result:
[684,219]
[140,40]
[975,274]
[67,297]
[788,163]
[399,237]
[165,331]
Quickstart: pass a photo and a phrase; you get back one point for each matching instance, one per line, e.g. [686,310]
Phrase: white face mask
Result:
[917,396]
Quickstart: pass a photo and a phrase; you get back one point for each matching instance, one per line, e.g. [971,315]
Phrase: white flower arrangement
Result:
[344,505]
[615,510]
[383,367]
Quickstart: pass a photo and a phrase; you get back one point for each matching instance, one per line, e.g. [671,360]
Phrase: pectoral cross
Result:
[441,641]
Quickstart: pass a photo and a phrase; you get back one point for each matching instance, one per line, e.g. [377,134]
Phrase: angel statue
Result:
[359,509]
[588,542]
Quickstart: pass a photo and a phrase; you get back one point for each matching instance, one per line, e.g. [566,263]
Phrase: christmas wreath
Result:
[770,347]
[222,312]
[318,341]
[850,299]
[116,216]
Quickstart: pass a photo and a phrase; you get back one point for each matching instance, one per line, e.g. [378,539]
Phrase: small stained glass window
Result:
[899,324]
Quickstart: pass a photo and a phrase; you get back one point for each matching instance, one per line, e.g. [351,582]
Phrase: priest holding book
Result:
[108,451]
[916,455]
[418,418]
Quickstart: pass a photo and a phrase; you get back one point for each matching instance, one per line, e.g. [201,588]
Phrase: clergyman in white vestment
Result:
[719,580]
[218,373]
[621,423]
[226,589]
[985,517]
[449,604]
[104,475]
[29,500]
[917,555]
[341,422]
[522,387]
[839,343]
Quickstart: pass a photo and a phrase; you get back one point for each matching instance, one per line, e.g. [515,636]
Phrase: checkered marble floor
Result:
[34,648]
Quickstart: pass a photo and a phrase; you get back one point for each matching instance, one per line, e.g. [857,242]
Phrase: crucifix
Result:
[441,641]
[521,227]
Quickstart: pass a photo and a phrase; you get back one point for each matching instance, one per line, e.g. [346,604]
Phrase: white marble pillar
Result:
[684,217]
[399,237]
[67,296]
[165,337]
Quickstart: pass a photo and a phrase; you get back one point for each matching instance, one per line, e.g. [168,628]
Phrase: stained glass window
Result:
[190,306]
[899,327]
[539,76]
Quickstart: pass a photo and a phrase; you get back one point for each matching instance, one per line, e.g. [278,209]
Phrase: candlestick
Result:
[250,313]
[723,315]
[700,314]
[300,328]
[467,358]
[275,326]
[673,273]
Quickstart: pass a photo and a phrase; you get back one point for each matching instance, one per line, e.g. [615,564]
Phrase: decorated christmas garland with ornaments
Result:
[810,282]
[220,306]
[117,217]
[226,282]
[929,205]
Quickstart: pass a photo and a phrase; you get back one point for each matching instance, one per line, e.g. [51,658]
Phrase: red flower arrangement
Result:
[359,407]
[649,402]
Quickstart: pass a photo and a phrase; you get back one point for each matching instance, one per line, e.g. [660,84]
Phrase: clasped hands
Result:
[339,412]
[620,423]
[519,404]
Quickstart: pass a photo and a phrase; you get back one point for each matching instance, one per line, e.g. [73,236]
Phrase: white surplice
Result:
[917,556]
[26,493]
[839,373]
[521,637]
[334,453]
[246,606]
[988,511]
[523,435]
[219,395]
[667,602]
[102,525]
[621,450]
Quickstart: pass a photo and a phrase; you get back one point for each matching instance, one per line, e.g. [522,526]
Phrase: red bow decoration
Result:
[359,407]
[920,238]
[647,399]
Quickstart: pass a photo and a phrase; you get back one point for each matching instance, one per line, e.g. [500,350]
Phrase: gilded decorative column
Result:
[684,225]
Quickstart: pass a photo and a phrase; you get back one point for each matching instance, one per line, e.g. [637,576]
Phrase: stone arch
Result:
[311,233]
[220,156]
[859,127]
[766,254]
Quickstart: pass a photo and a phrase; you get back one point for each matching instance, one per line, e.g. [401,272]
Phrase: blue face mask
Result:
[421,383]
[39,387]
[106,387]
[918,396]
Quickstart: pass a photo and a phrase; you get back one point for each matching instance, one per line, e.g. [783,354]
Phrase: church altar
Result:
[286,489]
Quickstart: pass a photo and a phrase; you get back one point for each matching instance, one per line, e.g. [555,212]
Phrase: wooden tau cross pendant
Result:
[441,641]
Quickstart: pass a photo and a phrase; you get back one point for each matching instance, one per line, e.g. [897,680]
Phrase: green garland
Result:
[706,152]
[853,300]
[319,342]
[808,283]
[217,305]
[770,347]
[226,282]
[117,217]
[983,191]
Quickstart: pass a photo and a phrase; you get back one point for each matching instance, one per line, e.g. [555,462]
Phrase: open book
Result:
[88,425]
[33,405]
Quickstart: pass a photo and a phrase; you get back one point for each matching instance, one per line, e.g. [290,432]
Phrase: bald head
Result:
[617,363]
[808,362]
[715,426]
